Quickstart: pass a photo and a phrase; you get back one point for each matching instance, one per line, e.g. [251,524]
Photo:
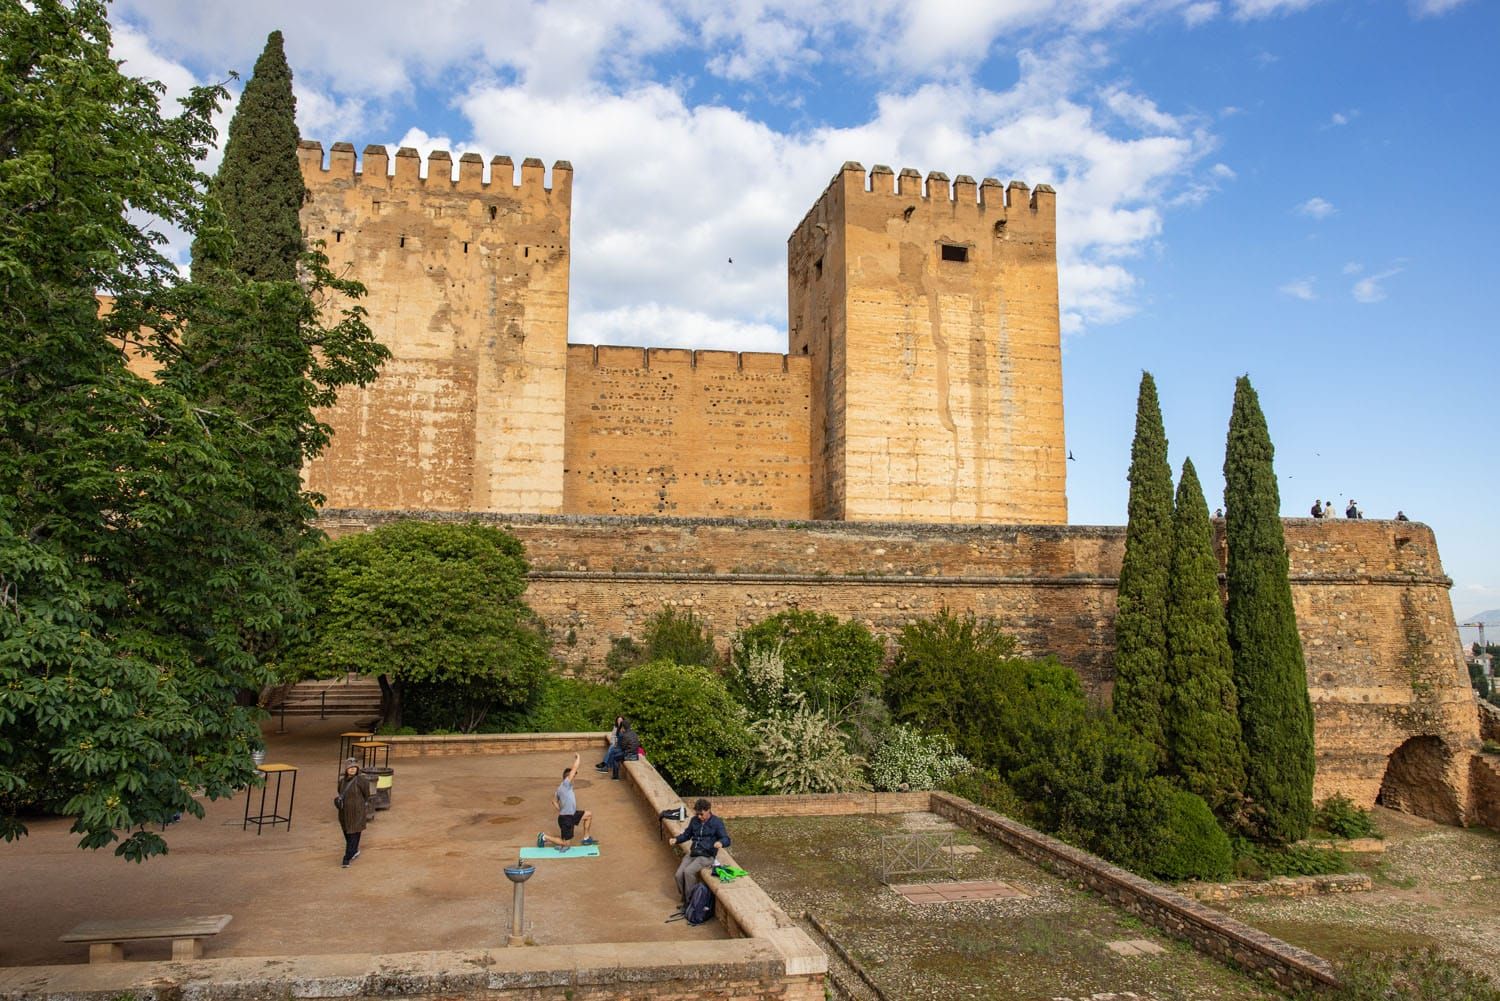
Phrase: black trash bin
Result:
[381,779]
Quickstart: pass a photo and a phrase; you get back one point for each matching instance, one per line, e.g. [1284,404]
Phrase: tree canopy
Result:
[138,588]
[1205,751]
[1269,673]
[1141,622]
[434,610]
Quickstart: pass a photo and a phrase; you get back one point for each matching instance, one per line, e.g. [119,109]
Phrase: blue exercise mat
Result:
[576,851]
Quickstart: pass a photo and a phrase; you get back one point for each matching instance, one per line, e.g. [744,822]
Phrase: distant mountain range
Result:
[1490,618]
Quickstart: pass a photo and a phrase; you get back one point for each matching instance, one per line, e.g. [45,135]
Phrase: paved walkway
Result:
[429,876]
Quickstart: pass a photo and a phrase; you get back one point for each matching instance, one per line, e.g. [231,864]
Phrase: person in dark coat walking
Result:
[354,793]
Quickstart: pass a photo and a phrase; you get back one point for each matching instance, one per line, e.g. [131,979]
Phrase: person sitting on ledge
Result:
[1401,516]
[614,744]
[707,834]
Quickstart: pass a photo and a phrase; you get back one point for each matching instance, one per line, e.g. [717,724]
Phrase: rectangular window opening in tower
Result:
[818,268]
[953,252]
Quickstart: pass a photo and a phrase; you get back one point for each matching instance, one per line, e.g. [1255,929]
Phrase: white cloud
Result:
[1434,8]
[1301,288]
[1316,208]
[1353,268]
[1371,288]
[1247,10]
[674,327]
[1223,172]
[1195,14]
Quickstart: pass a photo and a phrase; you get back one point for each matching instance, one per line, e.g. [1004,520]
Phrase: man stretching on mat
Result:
[568,814]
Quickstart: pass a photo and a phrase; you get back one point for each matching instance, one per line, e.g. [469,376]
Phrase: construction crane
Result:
[1483,647]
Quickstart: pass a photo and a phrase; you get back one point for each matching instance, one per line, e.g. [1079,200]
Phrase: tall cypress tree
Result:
[1269,673]
[1141,620]
[1205,749]
[259,183]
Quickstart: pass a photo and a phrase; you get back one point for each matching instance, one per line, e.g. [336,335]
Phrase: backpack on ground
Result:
[700,906]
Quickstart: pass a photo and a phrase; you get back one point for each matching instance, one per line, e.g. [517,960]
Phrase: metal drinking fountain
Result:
[518,874]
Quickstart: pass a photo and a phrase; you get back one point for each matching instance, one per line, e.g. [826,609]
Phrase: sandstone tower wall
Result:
[671,432]
[468,287]
[930,314]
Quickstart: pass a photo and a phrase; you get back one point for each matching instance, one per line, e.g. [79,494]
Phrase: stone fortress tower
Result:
[922,380]
[905,455]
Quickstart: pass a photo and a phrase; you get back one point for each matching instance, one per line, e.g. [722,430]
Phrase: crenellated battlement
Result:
[611,356]
[1010,207]
[375,168]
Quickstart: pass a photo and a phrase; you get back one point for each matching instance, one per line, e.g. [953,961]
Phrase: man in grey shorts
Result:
[569,817]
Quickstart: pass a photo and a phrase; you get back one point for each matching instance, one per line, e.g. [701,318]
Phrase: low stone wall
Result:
[1215,934]
[429,745]
[1282,886]
[838,804]
[646,971]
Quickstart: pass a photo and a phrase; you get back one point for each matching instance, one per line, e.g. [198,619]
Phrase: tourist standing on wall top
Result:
[1352,511]
[1317,509]
[1401,516]
[569,817]
[353,794]
[707,834]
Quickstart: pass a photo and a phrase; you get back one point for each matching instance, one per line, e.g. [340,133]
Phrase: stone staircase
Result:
[353,695]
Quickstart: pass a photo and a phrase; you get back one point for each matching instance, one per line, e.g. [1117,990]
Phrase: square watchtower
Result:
[930,315]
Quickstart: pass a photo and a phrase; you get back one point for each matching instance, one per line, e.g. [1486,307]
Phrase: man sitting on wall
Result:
[707,834]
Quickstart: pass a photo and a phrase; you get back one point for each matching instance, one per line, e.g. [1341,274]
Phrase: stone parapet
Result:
[1210,932]
[430,745]
[1282,886]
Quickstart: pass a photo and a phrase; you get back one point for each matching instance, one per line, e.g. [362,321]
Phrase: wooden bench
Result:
[106,939]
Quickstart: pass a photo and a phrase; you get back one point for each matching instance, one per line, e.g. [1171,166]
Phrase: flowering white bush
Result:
[906,759]
[801,750]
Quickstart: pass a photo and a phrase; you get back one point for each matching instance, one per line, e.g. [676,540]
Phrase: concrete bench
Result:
[106,939]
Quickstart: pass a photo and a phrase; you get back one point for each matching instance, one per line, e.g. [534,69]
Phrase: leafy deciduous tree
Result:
[433,610]
[833,662]
[1269,673]
[137,591]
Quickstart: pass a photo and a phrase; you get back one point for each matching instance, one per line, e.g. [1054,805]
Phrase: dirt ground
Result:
[429,875]
[1434,886]
[1054,944]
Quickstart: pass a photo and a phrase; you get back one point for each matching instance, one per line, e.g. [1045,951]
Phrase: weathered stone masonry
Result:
[1384,668]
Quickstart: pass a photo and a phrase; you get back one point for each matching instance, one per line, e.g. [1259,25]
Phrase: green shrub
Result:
[1341,818]
[1490,747]
[1193,845]
[624,653]
[905,759]
[830,661]
[680,637]
[1410,976]
[942,663]
[801,750]
[982,787]
[569,705]
[1258,861]
[693,732]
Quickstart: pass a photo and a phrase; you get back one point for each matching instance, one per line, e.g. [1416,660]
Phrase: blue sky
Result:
[1296,189]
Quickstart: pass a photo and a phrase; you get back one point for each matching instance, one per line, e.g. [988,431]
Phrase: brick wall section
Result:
[1215,934]
[1283,886]
[703,433]
[1485,785]
[1383,658]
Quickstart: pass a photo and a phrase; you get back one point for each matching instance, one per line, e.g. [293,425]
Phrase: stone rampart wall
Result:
[679,432]
[1383,659]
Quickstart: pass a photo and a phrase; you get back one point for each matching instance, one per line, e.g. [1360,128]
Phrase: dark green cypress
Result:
[1269,673]
[1141,621]
[259,183]
[1206,752]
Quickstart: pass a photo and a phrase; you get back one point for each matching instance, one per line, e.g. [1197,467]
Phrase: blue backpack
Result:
[700,906]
